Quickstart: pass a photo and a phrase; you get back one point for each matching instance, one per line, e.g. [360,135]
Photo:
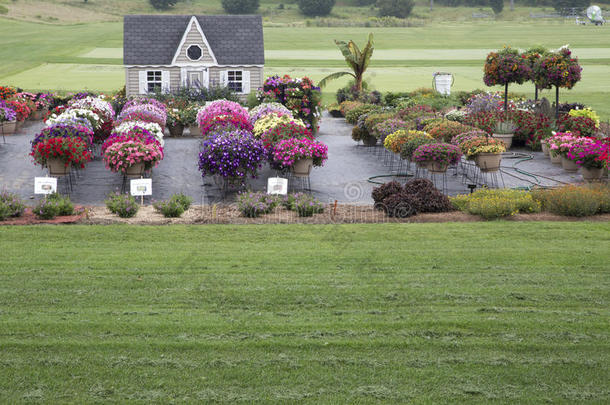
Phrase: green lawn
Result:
[419,313]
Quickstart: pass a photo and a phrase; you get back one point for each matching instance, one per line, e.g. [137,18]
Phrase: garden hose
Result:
[372,181]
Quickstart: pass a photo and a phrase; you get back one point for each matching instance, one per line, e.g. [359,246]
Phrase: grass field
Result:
[424,313]
[73,57]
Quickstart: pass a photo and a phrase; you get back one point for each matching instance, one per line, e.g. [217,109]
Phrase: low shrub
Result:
[416,196]
[306,205]
[252,205]
[376,118]
[174,207]
[385,190]
[64,204]
[574,201]
[47,208]
[494,204]
[358,133]
[12,205]
[123,205]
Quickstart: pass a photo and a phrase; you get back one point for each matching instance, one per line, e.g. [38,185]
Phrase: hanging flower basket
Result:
[57,167]
[302,167]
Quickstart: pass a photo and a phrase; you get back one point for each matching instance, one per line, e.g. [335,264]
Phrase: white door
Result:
[197,78]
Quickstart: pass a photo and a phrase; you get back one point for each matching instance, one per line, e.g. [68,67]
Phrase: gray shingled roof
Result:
[153,39]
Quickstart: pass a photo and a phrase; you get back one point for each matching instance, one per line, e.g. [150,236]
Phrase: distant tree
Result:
[395,8]
[497,6]
[563,5]
[163,4]
[315,8]
[240,6]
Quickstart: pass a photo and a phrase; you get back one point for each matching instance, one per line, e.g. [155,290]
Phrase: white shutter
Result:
[165,81]
[142,82]
[245,86]
[224,78]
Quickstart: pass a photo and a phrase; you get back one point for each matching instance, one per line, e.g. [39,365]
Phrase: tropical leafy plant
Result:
[358,60]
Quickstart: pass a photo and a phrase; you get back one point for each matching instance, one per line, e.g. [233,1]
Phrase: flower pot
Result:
[302,167]
[488,162]
[175,130]
[57,167]
[135,171]
[194,130]
[369,140]
[555,158]
[545,148]
[8,127]
[507,139]
[592,174]
[436,167]
[568,165]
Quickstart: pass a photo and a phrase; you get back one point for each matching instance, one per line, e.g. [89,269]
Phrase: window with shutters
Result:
[154,81]
[235,81]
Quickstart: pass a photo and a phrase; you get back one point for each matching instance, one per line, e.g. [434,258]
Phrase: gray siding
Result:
[132,79]
[194,38]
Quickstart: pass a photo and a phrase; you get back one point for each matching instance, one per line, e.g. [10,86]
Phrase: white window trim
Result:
[245,79]
[183,40]
[186,52]
[159,82]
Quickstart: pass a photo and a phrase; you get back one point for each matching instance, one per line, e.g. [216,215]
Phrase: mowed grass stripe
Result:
[317,314]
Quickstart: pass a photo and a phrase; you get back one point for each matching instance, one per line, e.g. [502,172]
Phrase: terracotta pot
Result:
[507,139]
[8,128]
[369,140]
[488,162]
[436,167]
[302,167]
[555,158]
[135,171]
[568,165]
[545,148]
[593,174]
[176,130]
[57,167]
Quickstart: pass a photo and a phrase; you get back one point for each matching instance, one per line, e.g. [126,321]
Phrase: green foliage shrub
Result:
[123,205]
[575,201]
[354,114]
[395,8]
[162,4]
[495,204]
[46,208]
[314,8]
[497,6]
[64,204]
[174,207]
[11,205]
[240,6]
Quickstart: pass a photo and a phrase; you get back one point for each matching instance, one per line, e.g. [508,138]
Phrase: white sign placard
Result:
[277,185]
[45,185]
[141,187]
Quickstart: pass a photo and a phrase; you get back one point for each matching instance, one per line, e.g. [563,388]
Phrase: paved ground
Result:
[343,178]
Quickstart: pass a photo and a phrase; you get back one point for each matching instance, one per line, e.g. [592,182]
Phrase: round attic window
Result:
[194,52]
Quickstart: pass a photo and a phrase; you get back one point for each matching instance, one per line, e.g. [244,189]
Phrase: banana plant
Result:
[356,59]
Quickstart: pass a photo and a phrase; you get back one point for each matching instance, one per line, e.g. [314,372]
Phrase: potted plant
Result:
[175,122]
[22,111]
[60,154]
[557,69]
[560,145]
[486,152]
[412,141]
[504,130]
[221,114]
[437,156]
[506,66]
[300,155]
[590,156]
[8,119]
[231,156]
[132,157]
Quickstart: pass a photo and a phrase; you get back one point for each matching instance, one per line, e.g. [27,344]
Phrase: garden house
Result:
[167,52]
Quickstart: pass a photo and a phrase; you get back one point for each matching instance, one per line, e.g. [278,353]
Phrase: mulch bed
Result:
[28,218]
[229,214]
[344,214]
